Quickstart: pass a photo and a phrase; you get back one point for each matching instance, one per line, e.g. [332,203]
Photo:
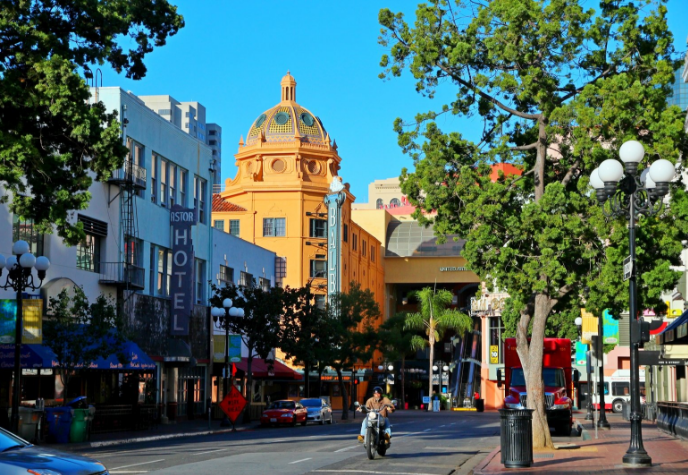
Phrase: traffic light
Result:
[596,347]
[644,332]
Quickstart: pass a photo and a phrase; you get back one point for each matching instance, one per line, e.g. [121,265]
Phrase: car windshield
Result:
[311,402]
[8,440]
[553,377]
[283,405]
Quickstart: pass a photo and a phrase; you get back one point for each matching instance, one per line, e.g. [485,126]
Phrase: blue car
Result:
[18,456]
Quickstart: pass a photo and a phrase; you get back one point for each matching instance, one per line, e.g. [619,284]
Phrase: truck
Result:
[558,378]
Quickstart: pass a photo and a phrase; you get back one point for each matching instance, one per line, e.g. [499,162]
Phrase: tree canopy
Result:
[53,141]
[558,88]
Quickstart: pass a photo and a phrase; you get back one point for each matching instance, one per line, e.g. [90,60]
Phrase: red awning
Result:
[260,369]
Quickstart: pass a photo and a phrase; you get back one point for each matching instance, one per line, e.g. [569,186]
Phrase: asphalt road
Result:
[422,444]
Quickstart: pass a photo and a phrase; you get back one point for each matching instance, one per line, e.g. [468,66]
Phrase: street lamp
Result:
[636,196]
[588,415]
[444,368]
[224,318]
[20,278]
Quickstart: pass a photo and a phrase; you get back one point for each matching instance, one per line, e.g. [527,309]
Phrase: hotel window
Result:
[164,267]
[274,227]
[364,247]
[164,166]
[200,279]
[346,233]
[234,227]
[318,268]
[379,204]
[318,228]
[246,279]
[264,284]
[219,224]
[88,251]
[226,276]
[394,203]
[136,157]
[182,187]
[354,242]
[172,182]
[199,198]
[25,230]
[154,177]
[320,301]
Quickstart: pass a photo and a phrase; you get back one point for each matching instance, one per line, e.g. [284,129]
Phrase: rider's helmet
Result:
[377,389]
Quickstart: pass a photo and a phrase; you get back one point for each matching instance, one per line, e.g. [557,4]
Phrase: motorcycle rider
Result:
[377,402]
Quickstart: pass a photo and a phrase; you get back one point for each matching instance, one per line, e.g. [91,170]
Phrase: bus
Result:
[617,390]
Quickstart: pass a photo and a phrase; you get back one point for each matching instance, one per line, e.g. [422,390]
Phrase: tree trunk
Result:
[307,368]
[531,356]
[430,371]
[403,380]
[345,397]
[249,385]
[541,159]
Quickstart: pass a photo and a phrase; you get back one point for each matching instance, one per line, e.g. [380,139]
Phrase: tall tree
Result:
[80,332]
[558,88]
[434,319]
[348,334]
[259,327]
[53,140]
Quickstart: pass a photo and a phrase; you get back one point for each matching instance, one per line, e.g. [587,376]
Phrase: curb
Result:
[478,469]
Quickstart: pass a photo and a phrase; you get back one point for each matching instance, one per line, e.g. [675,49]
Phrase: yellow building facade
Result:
[285,168]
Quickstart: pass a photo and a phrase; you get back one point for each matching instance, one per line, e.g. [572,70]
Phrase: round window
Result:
[278,165]
[307,119]
[259,121]
[281,118]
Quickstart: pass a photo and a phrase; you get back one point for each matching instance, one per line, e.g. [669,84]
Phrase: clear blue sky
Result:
[232,55]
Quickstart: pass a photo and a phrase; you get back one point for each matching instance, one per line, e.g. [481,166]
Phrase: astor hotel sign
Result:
[181,286]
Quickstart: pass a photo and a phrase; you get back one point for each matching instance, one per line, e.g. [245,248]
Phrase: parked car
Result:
[318,410]
[18,456]
[284,412]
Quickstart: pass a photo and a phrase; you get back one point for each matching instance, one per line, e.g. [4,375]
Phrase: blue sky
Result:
[232,55]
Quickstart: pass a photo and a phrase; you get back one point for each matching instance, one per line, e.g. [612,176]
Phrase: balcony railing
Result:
[130,173]
[122,274]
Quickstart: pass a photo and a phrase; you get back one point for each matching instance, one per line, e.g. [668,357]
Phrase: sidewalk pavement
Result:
[184,428]
[603,455]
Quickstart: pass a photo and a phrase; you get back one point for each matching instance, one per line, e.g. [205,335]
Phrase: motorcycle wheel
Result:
[382,450]
[370,443]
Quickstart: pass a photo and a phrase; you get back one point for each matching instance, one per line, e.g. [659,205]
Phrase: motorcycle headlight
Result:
[285,415]
[372,416]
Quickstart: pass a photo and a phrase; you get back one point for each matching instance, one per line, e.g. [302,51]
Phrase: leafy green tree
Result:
[347,334]
[259,327]
[80,332]
[434,319]
[558,88]
[302,327]
[53,141]
[395,343]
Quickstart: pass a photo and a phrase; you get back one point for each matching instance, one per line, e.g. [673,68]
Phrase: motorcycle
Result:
[375,441]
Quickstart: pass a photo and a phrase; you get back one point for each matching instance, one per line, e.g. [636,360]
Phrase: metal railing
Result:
[130,173]
[672,419]
[114,418]
[122,273]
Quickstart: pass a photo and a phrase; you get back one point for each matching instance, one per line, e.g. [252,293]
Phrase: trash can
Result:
[480,405]
[59,423]
[78,431]
[516,437]
[30,420]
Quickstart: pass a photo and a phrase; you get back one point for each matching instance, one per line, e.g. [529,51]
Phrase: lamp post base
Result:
[226,422]
[637,460]
[603,424]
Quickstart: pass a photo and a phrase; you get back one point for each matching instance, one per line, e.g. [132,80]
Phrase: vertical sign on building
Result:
[182,284]
[334,203]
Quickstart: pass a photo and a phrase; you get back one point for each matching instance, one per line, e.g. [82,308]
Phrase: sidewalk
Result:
[603,455]
[185,428]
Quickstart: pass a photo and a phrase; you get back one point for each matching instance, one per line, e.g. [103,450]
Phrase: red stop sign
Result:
[233,404]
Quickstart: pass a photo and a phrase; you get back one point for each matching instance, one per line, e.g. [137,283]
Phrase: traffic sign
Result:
[628,267]
[233,404]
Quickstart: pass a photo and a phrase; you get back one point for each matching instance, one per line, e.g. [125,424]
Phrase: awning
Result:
[137,360]
[32,356]
[260,369]
[676,331]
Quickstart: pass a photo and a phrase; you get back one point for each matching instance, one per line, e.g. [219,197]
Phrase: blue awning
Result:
[676,331]
[135,360]
[32,356]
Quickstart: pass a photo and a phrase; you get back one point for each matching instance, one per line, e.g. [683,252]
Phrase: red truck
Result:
[558,382]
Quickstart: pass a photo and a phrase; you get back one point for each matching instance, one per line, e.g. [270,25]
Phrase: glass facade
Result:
[679,91]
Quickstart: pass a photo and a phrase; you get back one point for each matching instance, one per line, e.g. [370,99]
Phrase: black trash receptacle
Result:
[516,437]
[480,405]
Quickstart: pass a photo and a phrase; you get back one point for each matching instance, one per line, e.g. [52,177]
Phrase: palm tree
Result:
[434,319]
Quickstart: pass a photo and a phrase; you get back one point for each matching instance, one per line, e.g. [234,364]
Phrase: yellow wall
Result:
[411,270]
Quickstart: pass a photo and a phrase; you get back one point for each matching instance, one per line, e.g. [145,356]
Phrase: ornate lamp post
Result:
[224,318]
[20,278]
[444,368]
[632,195]
[388,369]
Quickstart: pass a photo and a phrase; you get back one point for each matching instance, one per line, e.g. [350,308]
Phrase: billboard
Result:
[32,310]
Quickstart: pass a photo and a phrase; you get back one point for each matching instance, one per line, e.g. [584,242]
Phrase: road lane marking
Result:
[209,451]
[443,425]
[346,448]
[373,472]
[427,430]
[302,460]
[135,464]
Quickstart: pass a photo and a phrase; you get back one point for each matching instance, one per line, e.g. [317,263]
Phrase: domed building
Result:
[285,168]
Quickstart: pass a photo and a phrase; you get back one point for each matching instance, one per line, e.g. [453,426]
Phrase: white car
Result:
[318,410]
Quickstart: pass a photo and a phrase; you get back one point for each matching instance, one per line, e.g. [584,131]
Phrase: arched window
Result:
[378,203]
[394,203]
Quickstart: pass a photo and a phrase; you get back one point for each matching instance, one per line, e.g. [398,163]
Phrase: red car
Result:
[284,412]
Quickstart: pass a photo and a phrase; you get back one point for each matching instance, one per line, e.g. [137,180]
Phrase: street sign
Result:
[426,399]
[628,268]
[672,362]
[494,354]
[233,404]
